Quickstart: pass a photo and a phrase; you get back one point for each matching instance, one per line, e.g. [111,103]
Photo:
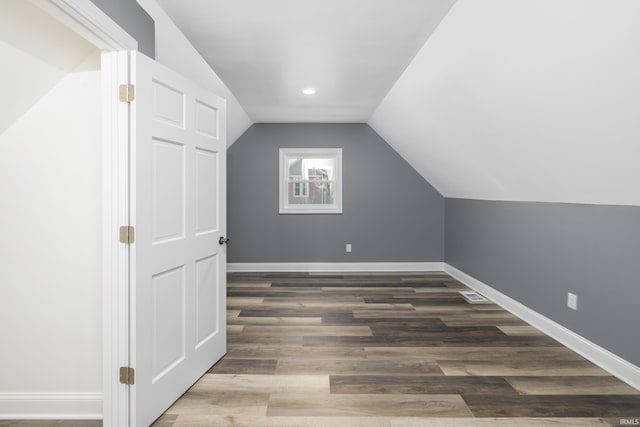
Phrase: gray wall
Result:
[390,213]
[537,252]
[134,20]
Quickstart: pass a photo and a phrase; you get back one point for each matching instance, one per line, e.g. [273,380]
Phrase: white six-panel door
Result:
[178,209]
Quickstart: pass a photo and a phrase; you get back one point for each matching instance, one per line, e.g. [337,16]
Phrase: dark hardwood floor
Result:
[390,350]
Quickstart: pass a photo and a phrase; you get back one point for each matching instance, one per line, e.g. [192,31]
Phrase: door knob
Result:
[223,241]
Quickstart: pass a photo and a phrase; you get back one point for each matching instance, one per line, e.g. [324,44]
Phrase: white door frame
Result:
[93,24]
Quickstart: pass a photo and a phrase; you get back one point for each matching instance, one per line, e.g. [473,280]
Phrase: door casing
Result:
[85,18]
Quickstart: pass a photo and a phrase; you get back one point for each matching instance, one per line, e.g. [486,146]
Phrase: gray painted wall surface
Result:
[134,20]
[390,213]
[537,252]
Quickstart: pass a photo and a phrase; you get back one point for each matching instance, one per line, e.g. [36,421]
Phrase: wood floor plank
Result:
[463,308]
[357,367]
[189,420]
[521,368]
[283,352]
[327,305]
[234,302]
[320,421]
[284,312]
[549,354]
[268,339]
[524,330]
[432,331]
[305,384]
[393,384]
[410,341]
[601,406]
[367,405]
[258,293]
[232,285]
[347,319]
[571,385]
[389,350]
[449,290]
[346,302]
[372,291]
[165,420]
[359,290]
[486,321]
[308,330]
[500,422]
[217,402]
[274,320]
[234,329]
[427,311]
[230,365]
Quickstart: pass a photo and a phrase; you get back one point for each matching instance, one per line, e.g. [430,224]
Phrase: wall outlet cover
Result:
[572,301]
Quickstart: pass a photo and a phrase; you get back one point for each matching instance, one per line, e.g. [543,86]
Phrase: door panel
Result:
[178,196]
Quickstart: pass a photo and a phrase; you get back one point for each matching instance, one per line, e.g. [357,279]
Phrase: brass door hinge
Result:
[127,234]
[126,93]
[127,375]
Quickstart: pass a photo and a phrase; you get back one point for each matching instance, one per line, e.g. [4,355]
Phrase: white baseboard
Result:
[51,406]
[333,266]
[608,361]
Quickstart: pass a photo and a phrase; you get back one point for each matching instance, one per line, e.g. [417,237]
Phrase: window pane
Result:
[310,192]
[294,168]
[310,180]
[310,169]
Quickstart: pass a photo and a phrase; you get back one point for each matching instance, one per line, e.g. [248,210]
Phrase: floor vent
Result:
[473,297]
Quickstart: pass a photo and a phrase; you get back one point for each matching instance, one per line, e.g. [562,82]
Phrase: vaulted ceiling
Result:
[267,52]
[33,61]
[535,100]
[497,99]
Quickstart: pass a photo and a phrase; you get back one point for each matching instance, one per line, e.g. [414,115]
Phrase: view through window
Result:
[310,180]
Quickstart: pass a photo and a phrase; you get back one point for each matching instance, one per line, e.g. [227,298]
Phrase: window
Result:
[300,189]
[310,180]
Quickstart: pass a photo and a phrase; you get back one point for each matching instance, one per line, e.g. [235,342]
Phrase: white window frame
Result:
[300,189]
[310,153]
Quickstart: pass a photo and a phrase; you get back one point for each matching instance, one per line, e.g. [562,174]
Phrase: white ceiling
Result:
[351,51]
[532,100]
[535,100]
[37,53]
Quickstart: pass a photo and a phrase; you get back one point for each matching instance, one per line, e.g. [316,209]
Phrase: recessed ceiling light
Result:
[309,91]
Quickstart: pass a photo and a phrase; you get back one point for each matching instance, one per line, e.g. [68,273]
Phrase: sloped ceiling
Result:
[37,53]
[266,52]
[534,100]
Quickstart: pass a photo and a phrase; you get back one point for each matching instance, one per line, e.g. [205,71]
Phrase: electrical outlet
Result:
[572,301]
[348,247]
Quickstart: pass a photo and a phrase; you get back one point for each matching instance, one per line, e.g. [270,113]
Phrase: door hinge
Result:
[127,234]
[126,93]
[127,375]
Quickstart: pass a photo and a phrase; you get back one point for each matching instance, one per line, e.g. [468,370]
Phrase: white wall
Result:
[524,100]
[50,249]
[176,52]
[37,52]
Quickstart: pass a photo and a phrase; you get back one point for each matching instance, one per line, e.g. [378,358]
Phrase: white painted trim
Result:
[50,406]
[334,266]
[608,361]
[90,22]
[309,153]
[93,24]
[115,267]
